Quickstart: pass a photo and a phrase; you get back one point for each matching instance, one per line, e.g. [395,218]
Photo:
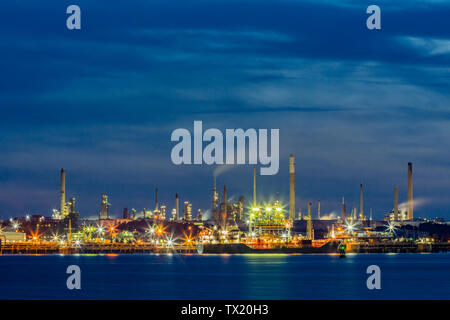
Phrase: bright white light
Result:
[391,227]
[350,226]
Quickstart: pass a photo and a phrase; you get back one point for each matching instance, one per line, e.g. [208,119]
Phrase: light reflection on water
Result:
[246,276]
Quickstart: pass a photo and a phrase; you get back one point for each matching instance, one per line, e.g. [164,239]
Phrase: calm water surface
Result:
[404,276]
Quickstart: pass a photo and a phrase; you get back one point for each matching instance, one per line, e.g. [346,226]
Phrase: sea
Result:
[237,277]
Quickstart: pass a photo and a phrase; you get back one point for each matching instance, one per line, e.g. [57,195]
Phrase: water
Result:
[403,276]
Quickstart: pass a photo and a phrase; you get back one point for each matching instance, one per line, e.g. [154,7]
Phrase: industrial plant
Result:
[241,226]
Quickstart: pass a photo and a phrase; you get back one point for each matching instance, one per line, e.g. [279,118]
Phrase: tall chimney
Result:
[215,201]
[309,223]
[254,186]
[395,203]
[343,209]
[291,188]
[225,207]
[63,192]
[177,207]
[361,209]
[156,199]
[318,209]
[410,192]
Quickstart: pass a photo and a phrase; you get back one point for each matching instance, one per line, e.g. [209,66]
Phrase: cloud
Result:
[329,216]
[428,46]
[221,169]
[417,204]
[350,104]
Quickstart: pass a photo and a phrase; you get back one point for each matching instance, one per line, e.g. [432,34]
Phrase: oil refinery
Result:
[234,227]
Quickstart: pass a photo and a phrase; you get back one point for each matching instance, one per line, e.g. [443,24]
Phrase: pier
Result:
[148,248]
[91,248]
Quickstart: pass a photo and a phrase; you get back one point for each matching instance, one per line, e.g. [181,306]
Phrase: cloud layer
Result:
[352,105]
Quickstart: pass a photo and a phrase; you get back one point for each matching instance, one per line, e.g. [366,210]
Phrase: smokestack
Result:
[309,223]
[361,209]
[318,209]
[224,194]
[177,206]
[215,201]
[291,188]
[156,199]
[410,192]
[343,209]
[254,186]
[63,192]
[225,207]
[395,203]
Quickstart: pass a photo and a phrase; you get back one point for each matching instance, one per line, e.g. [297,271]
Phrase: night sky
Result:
[353,105]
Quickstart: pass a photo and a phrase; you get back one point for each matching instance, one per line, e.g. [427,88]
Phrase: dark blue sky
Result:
[352,105]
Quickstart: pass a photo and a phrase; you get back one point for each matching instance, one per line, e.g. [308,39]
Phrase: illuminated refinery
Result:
[233,227]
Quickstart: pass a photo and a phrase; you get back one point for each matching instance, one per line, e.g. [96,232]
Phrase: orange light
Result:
[160,229]
[188,239]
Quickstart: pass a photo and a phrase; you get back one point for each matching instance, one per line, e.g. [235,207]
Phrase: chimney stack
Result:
[395,203]
[63,192]
[410,192]
[361,209]
[309,223]
[343,209]
[177,207]
[225,208]
[156,199]
[254,186]
[291,188]
[215,202]
[318,209]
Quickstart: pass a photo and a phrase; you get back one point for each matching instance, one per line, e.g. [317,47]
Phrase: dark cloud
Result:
[352,105]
